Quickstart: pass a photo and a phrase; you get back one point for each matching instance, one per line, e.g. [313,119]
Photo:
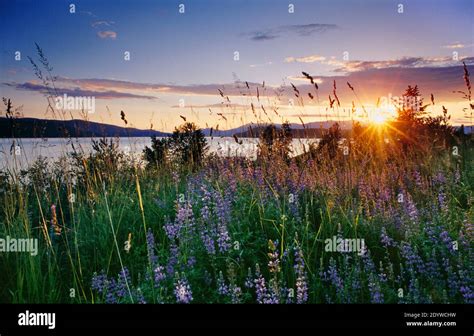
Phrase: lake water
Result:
[20,153]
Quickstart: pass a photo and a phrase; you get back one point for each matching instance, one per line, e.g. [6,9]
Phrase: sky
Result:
[180,63]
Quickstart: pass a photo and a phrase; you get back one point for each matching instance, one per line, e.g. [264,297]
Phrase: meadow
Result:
[196,228]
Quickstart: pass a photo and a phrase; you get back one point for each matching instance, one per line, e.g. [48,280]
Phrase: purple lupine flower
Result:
[411,209]
[208,241]
[446,239]
[356,284]
[414,290]
[207,234]
[191,261]
[222,288]
[466,281]
[260,287]
[236,293]
[171,230]
[182,291]
[332,276]
[99,282]
[431,233]
[150,243]
[418,179]
[173,259]
[413,261]
[376,295]
[453,281]
[385,239]
[184,217]
[223,213]
[272,296]
[467,294]
[442,201]
[301,284]
[223,239]
[123,283]
[139,296]
[159,274]
[439,179]
[111,289]
[432,267]
[249,280]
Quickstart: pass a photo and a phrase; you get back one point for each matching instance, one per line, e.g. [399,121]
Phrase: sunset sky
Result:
[185,58]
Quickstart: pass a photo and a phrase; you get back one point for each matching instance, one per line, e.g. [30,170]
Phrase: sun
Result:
[379,119]
[382,115]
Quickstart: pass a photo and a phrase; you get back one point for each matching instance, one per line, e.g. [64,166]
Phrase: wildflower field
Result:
[234,230]
[377,207]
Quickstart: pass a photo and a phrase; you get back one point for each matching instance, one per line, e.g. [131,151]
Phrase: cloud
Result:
[303,78]
[96,24]
[305,59]
[217,105]
[88,13]
[229,89]
[457,45]
[263,36]
[309,29]
[107,34]
[76,92]
[261,65]
[299,30]
[405,62]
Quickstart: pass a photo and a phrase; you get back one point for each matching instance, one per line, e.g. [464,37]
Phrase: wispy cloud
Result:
[96,24]
[261,65]
[98,84]
[303,78]
[309,29]
[405,62]
[341,66]
[457,45]
[76,92]
[107,34]
[305,59]
[263,36]
[212,106]
[299,30]
[88,13]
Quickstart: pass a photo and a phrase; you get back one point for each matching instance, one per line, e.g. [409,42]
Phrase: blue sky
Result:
[188,56]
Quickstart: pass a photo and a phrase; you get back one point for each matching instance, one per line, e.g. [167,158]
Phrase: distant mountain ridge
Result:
[309,130]
[76,128]
[47,128]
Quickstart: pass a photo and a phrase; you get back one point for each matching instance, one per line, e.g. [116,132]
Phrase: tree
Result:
[156,155]
[330,141]
[276,142]
[188,144]
[415,128]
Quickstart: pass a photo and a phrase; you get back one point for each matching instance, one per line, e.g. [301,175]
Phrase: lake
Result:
[21,153]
